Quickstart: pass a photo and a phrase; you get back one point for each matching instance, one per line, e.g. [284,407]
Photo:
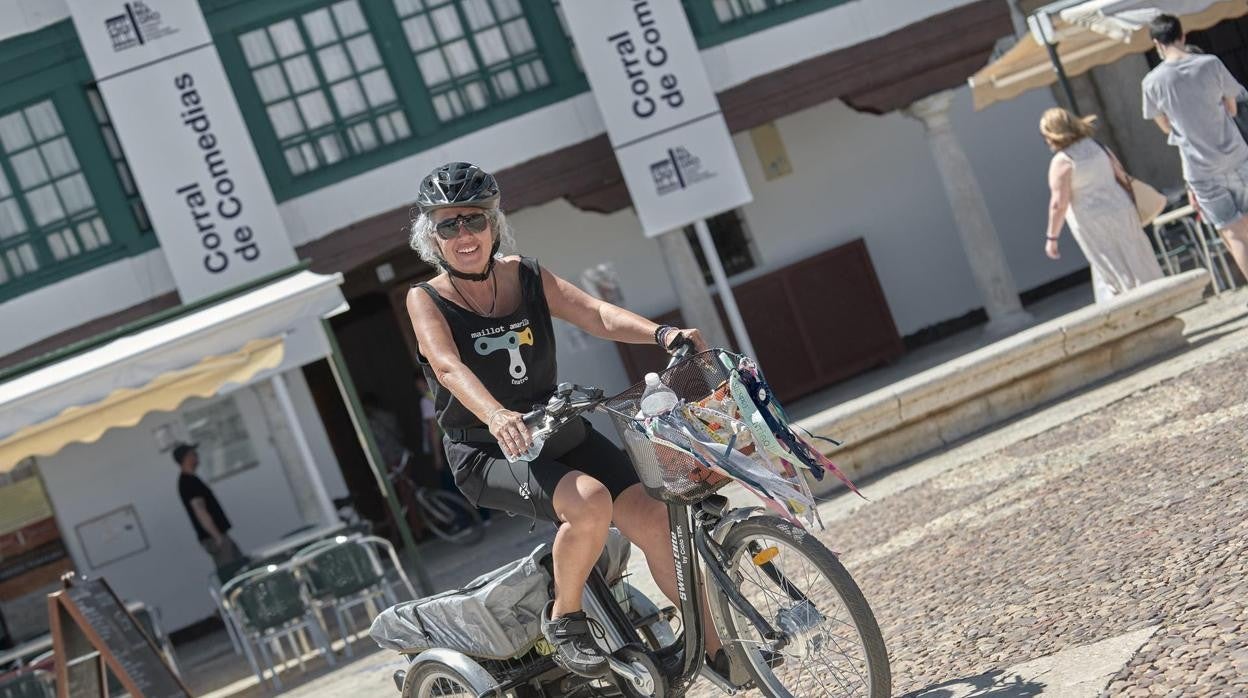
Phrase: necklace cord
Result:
[475,309]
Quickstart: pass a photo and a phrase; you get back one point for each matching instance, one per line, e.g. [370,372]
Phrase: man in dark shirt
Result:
[207,517]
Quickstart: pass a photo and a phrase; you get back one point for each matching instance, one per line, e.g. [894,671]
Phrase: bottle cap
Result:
[652,379]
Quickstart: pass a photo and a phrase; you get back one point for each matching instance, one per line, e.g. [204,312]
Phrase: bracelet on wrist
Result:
[495,413]
[1046,237]
[660,333]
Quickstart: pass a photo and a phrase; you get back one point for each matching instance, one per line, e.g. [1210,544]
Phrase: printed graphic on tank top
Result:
[513,356]
[491,340]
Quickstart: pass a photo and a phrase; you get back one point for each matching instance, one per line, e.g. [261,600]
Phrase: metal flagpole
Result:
[1056,60]
[1041,26]
[725,291]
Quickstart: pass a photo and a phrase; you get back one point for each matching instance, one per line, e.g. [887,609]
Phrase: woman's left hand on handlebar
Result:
[691,334]
[509,429]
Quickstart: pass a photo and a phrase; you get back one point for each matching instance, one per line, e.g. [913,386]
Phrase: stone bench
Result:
[949,402]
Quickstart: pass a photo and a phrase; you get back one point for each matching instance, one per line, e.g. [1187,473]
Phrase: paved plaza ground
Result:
[1128,517]
[1097,546]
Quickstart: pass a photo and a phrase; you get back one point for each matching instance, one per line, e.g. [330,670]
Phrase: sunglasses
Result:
[449,228]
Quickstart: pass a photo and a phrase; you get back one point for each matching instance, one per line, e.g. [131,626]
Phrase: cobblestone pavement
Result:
[1121,512]
[1126,517]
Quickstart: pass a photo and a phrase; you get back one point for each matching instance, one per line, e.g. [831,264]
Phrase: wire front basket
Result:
[667,473]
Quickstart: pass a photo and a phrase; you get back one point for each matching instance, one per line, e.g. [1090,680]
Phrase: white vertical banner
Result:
[662,116]
[185,139]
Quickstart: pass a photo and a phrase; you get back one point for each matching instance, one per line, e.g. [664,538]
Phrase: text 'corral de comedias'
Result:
[642,60]
[214,209]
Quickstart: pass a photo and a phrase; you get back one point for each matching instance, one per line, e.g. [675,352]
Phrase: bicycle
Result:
[784,632]
[447,514]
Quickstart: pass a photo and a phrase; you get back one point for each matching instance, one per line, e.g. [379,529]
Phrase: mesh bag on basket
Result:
[728,425]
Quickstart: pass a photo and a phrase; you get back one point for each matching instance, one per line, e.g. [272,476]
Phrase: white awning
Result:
[1089,34]
[1120,19]
[216,344]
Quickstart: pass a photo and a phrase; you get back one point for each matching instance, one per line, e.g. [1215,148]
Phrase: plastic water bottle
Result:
[538,434]
[657,398]
[535,449]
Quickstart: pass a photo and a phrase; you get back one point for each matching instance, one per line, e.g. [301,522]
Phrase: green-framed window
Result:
[733,242]
[563,24]
[717,21]
[326,91]
[48,213]
[124,176]
[729,11]
[472,54]
[451,67]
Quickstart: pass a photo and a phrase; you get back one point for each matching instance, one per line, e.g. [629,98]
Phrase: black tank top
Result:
[513,356]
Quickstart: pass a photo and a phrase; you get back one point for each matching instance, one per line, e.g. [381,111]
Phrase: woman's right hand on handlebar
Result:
[509,429]
[678,336]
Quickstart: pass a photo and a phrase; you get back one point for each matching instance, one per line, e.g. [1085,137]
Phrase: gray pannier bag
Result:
[496,616]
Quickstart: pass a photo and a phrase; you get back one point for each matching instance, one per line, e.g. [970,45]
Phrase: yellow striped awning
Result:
[125,407]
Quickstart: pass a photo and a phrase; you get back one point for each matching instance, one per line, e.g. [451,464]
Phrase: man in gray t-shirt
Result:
[1192,97]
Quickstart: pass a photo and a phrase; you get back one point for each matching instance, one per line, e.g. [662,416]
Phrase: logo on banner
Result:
[138,25]
[679,170]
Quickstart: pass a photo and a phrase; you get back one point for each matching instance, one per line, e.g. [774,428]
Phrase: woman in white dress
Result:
[1089,192]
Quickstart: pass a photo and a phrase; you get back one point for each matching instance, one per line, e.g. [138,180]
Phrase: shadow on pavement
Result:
[992,684]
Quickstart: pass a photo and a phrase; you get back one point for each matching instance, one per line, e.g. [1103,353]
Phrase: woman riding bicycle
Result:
[487,346]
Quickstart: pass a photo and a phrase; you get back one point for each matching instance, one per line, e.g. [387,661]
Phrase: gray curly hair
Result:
[422,238]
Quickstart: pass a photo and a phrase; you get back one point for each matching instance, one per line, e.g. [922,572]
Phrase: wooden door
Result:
[812,323]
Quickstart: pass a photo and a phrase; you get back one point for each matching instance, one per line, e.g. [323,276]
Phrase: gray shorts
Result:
[1223,199]
[224,554]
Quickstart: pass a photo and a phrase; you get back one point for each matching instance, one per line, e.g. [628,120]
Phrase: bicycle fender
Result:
[720,532]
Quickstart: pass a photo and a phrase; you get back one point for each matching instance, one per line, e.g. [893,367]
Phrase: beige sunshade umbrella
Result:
[1086,35]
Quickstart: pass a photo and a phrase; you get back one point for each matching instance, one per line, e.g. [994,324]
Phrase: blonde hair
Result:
[1063,129]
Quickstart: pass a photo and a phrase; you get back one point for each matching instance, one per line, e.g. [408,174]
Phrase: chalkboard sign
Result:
[92,629]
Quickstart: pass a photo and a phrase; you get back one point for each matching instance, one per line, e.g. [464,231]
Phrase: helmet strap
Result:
[489,268]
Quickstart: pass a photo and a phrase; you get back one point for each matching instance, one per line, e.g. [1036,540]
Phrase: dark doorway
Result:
[358,476]
[1227,40]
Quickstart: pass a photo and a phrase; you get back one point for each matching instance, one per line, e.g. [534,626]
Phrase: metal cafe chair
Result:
[1174,238]
[214,590]
[1217,254]
[344,572]
[1180,232]
[27,683]
[270,604]
[149,618]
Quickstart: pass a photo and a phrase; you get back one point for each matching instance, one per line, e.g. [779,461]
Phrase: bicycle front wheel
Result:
[451,517]
[800,588]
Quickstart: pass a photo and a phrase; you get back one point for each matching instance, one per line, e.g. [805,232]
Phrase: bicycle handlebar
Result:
[562,406]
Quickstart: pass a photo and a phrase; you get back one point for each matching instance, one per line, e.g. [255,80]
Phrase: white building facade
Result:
[351,102]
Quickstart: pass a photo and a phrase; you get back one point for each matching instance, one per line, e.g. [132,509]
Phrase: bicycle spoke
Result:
[837,665]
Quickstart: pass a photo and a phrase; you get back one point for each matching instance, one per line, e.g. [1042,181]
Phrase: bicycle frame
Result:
[696,532]
[685,535]
[692,537]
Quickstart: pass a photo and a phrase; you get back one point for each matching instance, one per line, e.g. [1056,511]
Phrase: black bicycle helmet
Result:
[457,184]
[460,184]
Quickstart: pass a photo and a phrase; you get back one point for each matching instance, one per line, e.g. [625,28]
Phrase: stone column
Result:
[970,213]
[696,305]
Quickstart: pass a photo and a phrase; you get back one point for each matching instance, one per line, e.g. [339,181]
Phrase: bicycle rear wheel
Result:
[437,680]
[798,586]
[450,517]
